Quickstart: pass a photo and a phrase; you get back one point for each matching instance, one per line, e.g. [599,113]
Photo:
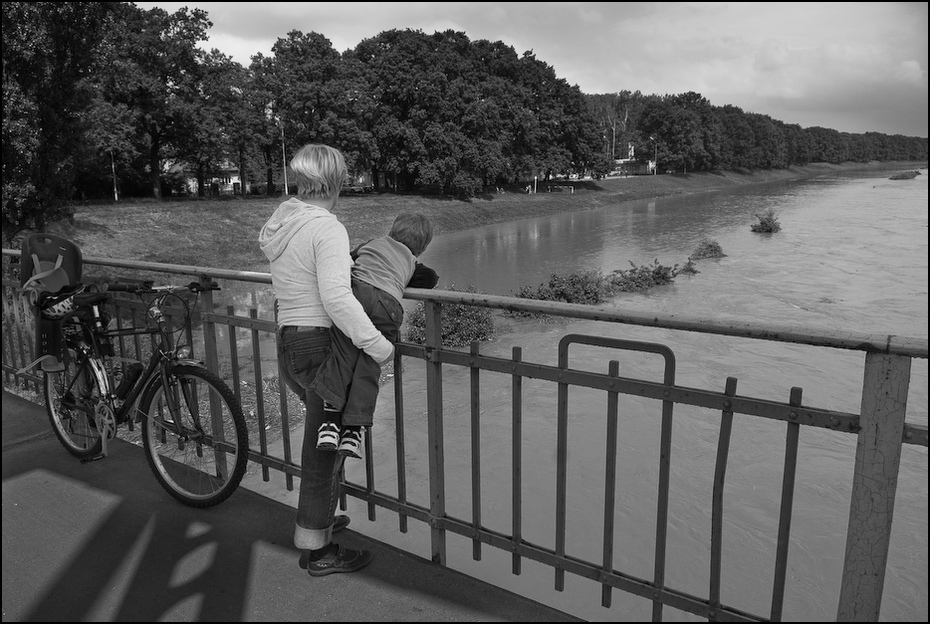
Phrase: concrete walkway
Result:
[103,542]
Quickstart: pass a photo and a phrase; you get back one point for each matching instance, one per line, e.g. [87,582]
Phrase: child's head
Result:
[413,230]
[320,171]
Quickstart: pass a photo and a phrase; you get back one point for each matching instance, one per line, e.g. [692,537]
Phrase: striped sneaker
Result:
[327,438]
[350,444]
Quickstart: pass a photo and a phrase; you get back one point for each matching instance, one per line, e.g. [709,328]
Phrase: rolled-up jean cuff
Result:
[312,539]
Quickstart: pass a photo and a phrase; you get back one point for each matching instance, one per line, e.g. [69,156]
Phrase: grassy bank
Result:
[222,233]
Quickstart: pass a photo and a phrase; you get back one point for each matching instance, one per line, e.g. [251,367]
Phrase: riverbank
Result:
[222,233]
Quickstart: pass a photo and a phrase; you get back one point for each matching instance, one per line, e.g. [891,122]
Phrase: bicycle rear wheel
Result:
[70,398]
[194,435]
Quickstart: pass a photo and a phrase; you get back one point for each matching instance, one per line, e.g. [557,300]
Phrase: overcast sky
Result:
[850,66]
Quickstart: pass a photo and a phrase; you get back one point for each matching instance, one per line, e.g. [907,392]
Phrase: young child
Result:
[347,380]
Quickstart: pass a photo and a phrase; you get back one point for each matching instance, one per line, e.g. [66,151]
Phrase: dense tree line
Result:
[103,99]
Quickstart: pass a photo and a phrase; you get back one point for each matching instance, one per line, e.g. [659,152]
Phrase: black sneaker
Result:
[339,559]
[340,522]
[350,443]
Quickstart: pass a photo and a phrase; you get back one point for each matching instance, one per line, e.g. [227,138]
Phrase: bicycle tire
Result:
[183,454]
[75,429]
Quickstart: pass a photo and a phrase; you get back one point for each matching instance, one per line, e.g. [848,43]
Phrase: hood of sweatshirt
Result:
[287,220]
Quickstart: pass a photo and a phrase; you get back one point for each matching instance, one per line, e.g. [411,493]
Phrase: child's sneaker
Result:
[327,438]
[350,444]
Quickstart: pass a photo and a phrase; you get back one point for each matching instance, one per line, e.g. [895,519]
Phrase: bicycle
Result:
[193,430]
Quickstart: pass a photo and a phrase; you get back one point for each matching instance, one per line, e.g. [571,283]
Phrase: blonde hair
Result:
[320,170]
[413,230]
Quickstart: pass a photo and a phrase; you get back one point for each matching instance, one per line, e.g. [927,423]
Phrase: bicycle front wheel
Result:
[194,436]
[71,396]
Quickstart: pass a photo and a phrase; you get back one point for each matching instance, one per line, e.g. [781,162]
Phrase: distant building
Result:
[629,166]
[224,181]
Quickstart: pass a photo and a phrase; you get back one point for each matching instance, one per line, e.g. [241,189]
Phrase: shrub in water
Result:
[689,267]
[640,278]
[768,223]
[461,324]
[707,249]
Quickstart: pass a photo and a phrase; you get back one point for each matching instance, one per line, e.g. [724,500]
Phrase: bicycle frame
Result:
[94,357]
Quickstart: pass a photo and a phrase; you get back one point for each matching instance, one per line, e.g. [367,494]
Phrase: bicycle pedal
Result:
[87,460]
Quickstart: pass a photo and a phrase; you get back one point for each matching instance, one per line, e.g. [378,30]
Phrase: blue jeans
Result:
[301,351]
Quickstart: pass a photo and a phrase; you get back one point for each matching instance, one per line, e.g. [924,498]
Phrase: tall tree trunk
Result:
[155,166]
[242,172]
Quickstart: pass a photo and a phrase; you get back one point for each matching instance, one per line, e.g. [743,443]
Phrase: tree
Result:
[110,133]
[150,61]
[48,54]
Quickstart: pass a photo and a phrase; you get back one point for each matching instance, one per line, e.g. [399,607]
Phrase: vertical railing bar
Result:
[370,473]
[21,313]
[561,474]
[716,514]
[610,482]
[118,312]
[437,476]
[38,382]
[137,338]
[285,425]
[208,328]
[369,458]
[189,335]
[10,325]
[118,309]
[474,379]
[885,383]
[399,444]
[260,396]
[15,334]
[787,503]
[665,462]
[517,464]
[233,355]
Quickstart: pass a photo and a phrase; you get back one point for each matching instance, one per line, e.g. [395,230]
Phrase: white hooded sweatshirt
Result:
[310,273]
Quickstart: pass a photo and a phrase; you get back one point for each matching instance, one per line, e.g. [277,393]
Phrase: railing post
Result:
[875,480]
[437,476]
[211,353]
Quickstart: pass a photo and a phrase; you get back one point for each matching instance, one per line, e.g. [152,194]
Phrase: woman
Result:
[310,272]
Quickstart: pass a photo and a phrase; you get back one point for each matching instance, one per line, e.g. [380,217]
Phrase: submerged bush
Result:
[640,278]
[461,324]
[689,267]
[708,248]
[768,223]
[592,287]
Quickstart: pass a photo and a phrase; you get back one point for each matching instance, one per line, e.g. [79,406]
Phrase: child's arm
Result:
[423,277]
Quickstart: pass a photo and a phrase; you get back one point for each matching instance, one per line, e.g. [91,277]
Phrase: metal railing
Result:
[232,338]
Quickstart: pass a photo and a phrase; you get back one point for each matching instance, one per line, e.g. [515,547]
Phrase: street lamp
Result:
[655,162]
[284,158]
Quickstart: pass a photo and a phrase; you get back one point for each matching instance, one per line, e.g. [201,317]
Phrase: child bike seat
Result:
[50,265]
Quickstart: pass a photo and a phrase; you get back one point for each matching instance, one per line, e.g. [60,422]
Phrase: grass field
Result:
[222,232]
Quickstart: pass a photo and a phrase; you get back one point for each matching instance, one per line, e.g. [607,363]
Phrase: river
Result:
[851,255]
